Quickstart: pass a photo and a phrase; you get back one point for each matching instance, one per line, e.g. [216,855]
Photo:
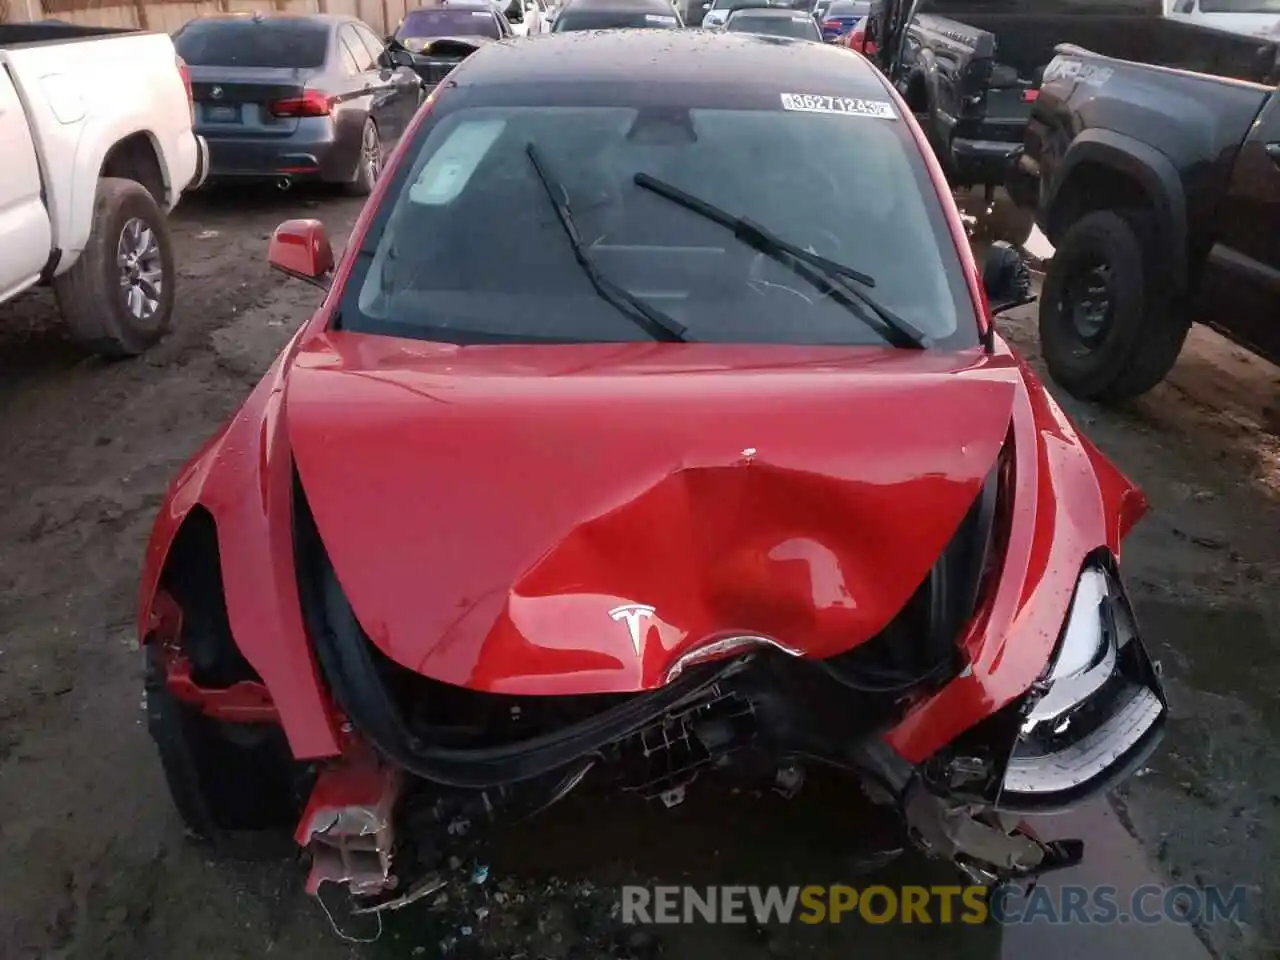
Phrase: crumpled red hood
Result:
[487,509]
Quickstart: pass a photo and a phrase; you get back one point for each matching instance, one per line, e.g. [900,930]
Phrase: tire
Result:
[367,168]
[126,221]
[1128,344]
[235,786]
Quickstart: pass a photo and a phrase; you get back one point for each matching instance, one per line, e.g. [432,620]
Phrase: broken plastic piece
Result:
[347,826]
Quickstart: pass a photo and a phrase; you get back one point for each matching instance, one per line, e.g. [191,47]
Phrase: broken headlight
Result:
[1097,711]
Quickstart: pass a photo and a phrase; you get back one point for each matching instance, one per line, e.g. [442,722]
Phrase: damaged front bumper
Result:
[1096,714]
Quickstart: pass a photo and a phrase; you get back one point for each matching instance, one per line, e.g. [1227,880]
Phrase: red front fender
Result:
[1068,500]
[243,476]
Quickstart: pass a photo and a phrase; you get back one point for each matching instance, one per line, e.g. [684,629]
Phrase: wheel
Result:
[118,297]
[1110,327]
[235,785]
[370,163]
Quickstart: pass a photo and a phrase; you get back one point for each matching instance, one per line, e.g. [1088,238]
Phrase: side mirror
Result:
[397,57]
[301,249]
[1006,278]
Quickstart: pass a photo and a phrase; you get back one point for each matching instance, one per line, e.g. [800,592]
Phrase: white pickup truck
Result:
[96,147]
[1254,18]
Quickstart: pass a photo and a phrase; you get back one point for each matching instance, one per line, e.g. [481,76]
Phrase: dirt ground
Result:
[93,862]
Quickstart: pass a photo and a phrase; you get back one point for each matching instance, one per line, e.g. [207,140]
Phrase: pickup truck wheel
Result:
[1110,327]
[118,298]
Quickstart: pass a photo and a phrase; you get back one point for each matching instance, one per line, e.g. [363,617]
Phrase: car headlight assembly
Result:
[1097,712]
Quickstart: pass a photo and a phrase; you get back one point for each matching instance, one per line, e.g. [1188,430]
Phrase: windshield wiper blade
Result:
[653,321]
[897,330]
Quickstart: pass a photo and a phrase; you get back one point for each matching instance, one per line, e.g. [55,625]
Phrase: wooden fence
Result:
[169,15]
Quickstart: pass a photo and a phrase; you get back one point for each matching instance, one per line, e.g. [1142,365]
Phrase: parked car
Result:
[1158,216]
[774,22]
[616,14]
[1255,18]
[864,37]
[631,445]
[439,38]
[841,16]
[527,17]
[84,192]
[716,12]
[970,70]
[287,98]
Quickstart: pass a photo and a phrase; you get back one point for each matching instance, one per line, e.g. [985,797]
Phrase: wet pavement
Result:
[93,862]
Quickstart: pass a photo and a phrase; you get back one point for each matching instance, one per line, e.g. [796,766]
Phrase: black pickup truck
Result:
[970,69]
[1160,192]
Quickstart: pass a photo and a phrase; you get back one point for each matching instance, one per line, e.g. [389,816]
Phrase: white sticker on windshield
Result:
[851,106]
[659,18]
[800,18]
[480,13]
[446,174]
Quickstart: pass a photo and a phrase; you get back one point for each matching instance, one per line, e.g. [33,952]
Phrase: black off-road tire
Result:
[366,177]
[1146,323]
[240,798]
[89,294]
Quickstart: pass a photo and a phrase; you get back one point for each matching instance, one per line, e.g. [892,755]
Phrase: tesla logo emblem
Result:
[633,615]
[216,93]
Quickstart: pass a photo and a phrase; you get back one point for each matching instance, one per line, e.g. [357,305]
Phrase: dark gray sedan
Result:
[285,98]
[434,40]
[774,23]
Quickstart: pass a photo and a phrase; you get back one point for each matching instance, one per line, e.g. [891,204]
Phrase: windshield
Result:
[797,25]
[436,22]
[467,248]
[572,19]
[846,8]
[297,44]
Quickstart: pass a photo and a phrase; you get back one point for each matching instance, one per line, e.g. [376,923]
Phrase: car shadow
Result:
[223,199]
[827,834]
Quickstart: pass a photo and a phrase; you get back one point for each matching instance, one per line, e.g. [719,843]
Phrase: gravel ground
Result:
[93,863]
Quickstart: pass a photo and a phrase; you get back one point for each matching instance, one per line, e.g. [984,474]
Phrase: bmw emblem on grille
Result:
[216,93]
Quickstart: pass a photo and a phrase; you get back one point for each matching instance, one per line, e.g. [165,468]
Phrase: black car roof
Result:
[694,57]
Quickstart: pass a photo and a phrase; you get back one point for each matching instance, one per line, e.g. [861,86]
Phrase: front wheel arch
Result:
[1104,170]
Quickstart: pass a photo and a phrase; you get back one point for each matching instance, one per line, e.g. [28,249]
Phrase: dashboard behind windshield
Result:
[467,248]
[606,19]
